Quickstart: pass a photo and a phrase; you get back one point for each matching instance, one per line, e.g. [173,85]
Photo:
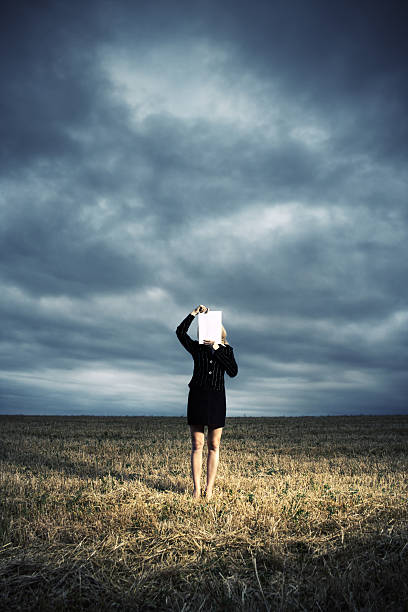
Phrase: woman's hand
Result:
[211,342]
[199,308]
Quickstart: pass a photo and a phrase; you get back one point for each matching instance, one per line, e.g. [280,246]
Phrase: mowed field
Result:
[307,514]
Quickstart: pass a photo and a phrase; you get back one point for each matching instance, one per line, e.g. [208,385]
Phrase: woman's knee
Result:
[197,445]
[197,437]
[213,444]
[214,438]
[197,441]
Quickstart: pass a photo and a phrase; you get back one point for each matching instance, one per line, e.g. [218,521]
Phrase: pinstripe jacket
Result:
[209,364]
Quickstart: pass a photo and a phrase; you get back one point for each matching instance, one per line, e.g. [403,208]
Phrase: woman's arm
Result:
[225,355]
[181,331]
[182,335]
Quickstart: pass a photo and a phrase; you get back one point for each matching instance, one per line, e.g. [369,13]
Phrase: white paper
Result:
[209,326]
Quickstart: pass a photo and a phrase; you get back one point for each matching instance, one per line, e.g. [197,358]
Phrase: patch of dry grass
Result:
[307,514]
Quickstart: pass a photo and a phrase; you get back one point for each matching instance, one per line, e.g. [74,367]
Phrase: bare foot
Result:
[208,493]
[196,493]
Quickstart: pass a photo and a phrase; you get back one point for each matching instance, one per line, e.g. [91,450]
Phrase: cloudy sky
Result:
[251,157]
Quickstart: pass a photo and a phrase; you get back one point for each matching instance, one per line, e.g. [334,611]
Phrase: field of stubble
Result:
[307,514]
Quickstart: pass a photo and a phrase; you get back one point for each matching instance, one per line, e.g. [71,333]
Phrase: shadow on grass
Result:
[163,485]
[38,462]
[366,573]
[31,583]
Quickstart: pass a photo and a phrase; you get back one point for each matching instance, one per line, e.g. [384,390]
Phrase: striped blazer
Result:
[209,364]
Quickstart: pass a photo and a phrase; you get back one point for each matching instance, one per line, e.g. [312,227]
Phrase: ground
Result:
[308,513]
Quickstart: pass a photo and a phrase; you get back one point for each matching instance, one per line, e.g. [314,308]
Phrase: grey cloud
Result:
[48,250]
[96,203]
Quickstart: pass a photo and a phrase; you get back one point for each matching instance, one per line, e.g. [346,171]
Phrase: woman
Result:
[206,399]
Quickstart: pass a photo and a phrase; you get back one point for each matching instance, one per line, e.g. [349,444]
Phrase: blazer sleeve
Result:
[181,331]
[225,355]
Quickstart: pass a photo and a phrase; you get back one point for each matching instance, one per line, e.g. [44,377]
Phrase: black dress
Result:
[206,406]
[206,403]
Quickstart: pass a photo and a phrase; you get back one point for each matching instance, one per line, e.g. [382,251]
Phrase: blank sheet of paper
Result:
[209,326]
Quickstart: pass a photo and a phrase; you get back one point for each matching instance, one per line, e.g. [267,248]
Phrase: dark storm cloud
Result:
[251,157]
[48,253]
[332,56]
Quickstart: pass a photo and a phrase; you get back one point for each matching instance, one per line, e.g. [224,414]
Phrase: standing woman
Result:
[206,399]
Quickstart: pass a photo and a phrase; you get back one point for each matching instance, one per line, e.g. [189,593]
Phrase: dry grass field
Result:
[307,514]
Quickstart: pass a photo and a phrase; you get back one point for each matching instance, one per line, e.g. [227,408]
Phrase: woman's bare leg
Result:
[213,443]
[197,442]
